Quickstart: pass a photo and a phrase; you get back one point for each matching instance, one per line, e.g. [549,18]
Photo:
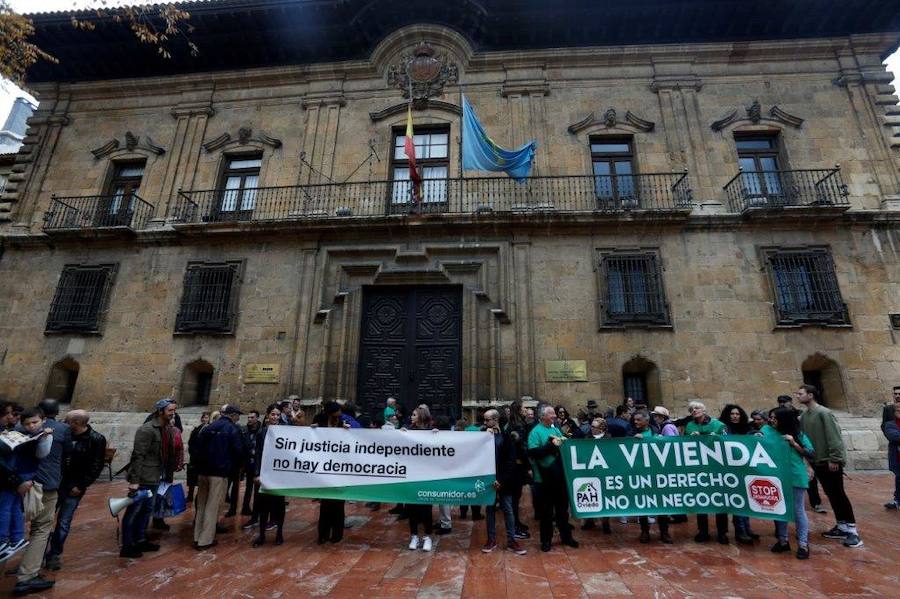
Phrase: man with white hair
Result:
[544,444]
[85,462]
[702,423]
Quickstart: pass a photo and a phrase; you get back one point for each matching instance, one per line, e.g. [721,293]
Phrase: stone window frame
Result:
[60,319]
[631,155]
[836,316]
[224,325]
[606,321]
[400,131]
[776,151]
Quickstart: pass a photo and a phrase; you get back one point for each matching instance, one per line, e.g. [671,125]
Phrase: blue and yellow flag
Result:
[480,153]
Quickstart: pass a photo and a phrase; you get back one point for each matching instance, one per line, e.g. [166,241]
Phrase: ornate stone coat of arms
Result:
[423,73]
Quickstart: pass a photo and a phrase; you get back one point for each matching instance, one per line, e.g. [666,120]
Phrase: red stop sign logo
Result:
[764,492]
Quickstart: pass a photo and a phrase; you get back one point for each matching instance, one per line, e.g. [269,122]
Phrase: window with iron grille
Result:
[209,299]
[632,289]
[80,299]
[805,287]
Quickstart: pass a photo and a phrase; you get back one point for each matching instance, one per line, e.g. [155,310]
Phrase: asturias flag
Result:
[480,153]
[409,149]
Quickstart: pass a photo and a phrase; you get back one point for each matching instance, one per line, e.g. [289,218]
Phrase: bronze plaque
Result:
[562,371]
[262,373]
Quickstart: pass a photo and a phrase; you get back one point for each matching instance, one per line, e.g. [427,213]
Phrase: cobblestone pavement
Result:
[373,560]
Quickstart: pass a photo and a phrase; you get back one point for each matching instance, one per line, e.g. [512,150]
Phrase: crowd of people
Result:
[46,466]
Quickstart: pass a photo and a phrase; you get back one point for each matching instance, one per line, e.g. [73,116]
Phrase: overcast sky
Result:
[8,91]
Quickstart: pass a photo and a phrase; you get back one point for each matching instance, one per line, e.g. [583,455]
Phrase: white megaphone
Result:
[117,504]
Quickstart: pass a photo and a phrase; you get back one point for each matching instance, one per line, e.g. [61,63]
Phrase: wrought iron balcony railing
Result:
[97,212]
[657,192]
[776,189]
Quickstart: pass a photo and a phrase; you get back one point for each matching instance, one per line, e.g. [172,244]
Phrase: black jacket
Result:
[505,455]
[221,449]
[85,461]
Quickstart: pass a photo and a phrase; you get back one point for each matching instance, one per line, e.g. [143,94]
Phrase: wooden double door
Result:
[410,348]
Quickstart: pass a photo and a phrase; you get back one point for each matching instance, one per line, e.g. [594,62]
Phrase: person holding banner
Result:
[420,420]
[544,444]
[505,463]
[331,511]
[787,424]
[517,428]
[642,429]
[702,423]
[738,423]
[269,508]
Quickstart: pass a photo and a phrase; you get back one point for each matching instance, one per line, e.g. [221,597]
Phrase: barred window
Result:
[209,298]
[633,289]
[80,299]
[806,288]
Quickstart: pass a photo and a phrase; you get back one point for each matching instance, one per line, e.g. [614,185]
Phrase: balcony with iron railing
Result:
[657,193]
[764,191]
[69,214]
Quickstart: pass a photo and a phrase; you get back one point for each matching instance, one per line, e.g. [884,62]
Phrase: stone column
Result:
[523,316]
[524,90]
[192,114]
[323,111]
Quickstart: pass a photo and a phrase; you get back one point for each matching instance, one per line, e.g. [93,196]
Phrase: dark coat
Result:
[86,460]
[221,449]
[892,432]
[147,467]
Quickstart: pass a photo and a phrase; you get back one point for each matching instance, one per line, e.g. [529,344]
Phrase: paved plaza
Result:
[373,560]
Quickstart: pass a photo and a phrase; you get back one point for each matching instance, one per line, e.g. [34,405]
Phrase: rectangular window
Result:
[117,207]
[81,297]
[209,299]
[636,387]
[240,183]
[760,168]
[633,289]
[433,159]
[612,159]
[806,287]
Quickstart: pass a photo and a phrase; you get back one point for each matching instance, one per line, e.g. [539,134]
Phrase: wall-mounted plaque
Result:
[262,373]
[560,371]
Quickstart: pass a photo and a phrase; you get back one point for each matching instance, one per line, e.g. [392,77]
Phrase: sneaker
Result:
[522,534]
[271,526]
[426,544]
[413,543]
[443,531]
[891,505]
[250,524]
[835,533]
[12,549]
[852,540]
[515,547]
[802,552]
[3,546]
[781,547]
[489,546]
[33,585]
[819,509]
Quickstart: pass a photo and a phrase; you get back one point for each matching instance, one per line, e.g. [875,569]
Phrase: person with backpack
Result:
[221,449]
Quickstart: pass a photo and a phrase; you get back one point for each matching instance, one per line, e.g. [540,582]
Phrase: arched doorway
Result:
[824,373]
[61,383]
[196,383]
[640,381]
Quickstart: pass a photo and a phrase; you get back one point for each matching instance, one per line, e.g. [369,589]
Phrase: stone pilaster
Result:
[525,90]
[322,104]
[192,115]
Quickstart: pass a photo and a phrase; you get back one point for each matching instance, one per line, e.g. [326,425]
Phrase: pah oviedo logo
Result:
[764,494]
[586,491]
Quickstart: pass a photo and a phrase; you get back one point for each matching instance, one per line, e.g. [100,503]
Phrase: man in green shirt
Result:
[390,409]
[641,423]
[544,443]
[828,461]
[702,423]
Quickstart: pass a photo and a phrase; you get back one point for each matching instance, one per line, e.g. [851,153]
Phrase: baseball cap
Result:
[231,409]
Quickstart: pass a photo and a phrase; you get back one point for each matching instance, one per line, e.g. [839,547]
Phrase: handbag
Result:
[171,503]
[33,501]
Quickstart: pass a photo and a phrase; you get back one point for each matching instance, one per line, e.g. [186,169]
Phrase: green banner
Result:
[742,475]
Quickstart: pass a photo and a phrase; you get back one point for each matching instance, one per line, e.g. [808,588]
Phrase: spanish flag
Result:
[410,150]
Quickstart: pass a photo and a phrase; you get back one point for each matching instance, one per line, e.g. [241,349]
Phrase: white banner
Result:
[379,465]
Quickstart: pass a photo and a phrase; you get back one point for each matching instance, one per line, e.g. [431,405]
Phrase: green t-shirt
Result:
[539,436]
[799,475]
[473,427]
[647,434]
[713,427]
[388,412]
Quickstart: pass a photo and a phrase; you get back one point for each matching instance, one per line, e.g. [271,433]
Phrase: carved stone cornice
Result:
[610,119]
[193,109]
[537,87]
[691,82]
[423,105]
[53,119]
[132,143]
[244,137]
[754,116]
[323,99]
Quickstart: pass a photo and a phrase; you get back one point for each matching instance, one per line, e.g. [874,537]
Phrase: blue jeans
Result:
[506,504]
[65,508]
[137,516]
[12,518]
[781,527]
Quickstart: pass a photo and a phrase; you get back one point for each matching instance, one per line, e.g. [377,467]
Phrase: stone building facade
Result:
[671,273]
